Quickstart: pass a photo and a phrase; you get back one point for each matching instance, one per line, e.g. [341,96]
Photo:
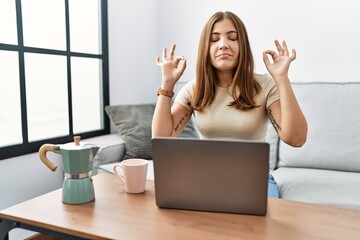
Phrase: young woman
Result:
[228,100]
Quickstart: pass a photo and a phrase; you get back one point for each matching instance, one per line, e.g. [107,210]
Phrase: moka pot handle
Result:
[42,154]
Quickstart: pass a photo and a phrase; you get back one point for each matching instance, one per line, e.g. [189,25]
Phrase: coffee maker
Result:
[77,161]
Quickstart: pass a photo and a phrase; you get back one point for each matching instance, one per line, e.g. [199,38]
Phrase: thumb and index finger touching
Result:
[176,60]
[282,51]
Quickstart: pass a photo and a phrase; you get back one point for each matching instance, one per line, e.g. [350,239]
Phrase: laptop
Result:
[211,175]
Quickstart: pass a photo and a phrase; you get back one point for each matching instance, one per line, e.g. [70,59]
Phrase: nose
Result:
[223,44]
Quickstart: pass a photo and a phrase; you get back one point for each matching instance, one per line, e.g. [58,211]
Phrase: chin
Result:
[225,67]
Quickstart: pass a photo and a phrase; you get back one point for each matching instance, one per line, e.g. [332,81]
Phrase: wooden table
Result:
[117,215]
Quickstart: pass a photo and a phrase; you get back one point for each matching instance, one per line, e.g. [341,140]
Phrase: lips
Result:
[221,55]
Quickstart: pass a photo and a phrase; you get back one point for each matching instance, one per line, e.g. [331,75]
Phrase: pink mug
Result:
[134,174]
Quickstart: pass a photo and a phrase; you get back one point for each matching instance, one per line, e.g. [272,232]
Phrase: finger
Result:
[172,51]
[164,54]
[286,51]
[157,60]
[293,55]
[183,66]
[266,59]
[279,48]
[177,60]
[272,54]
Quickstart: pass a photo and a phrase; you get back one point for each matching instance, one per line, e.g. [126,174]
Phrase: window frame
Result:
[30,147]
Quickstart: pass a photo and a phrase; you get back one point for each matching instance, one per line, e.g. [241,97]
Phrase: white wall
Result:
[133,31]
[324,33]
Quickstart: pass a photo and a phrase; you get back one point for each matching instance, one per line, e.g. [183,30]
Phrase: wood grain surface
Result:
[116,214]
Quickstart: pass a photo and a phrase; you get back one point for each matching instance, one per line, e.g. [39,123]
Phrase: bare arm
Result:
[285,115]
[169,120]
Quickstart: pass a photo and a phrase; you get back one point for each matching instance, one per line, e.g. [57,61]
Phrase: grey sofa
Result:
[326,170]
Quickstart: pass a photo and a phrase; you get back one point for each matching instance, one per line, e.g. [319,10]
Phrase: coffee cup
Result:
[134,174]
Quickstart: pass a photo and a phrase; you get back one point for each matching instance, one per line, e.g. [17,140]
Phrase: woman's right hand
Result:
[170,68]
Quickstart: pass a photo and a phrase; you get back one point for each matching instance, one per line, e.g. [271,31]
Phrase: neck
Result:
[224,79]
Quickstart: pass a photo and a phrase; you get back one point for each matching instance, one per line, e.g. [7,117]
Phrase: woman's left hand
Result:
[281,61]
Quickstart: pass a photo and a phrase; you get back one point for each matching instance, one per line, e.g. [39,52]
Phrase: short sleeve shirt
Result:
[220,121]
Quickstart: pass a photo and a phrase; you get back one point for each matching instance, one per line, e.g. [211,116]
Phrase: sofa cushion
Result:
[134,125]
[318,186]
[333,141]
[112,148]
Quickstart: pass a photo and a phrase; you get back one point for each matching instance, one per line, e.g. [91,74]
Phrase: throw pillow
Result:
[134,125]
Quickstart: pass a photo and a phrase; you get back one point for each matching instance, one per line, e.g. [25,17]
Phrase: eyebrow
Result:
[229,32]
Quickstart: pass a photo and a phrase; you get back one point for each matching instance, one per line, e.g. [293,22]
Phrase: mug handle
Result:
[117,174]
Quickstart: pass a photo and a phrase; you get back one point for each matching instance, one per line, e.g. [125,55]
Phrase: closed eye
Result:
[233,36]
[215,37]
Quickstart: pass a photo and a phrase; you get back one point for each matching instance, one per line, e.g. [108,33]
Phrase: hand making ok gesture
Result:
[281,61]
[170,68]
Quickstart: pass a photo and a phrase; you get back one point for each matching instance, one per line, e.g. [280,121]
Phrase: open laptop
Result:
[211,175]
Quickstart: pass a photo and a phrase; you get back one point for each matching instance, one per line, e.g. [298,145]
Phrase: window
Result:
[53,72]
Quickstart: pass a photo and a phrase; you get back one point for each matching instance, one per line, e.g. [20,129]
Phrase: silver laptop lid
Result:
[211,175]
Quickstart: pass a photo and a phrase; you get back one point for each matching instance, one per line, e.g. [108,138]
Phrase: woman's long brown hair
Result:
[244,87]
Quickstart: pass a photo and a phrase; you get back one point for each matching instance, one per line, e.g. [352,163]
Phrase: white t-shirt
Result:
[224,122]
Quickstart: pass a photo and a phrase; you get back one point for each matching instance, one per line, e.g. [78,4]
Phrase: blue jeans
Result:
[273,190]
